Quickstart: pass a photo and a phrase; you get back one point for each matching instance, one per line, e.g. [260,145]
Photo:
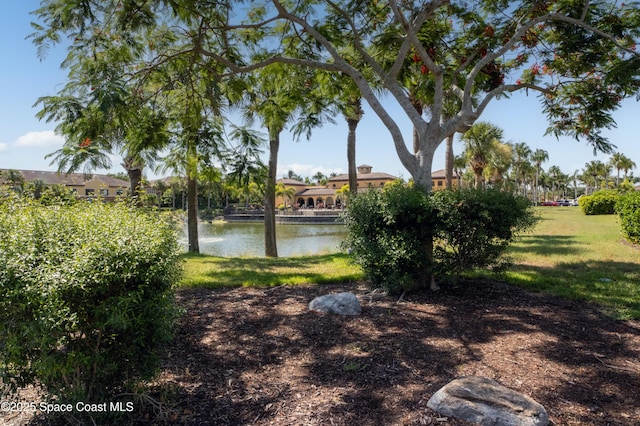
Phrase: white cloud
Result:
[39,139]
[305,170]
[3,146]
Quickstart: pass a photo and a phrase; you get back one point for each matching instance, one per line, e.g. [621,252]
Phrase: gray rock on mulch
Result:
[345,303]
[488,403]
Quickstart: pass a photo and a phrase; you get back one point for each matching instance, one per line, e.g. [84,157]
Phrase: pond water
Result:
[247,239]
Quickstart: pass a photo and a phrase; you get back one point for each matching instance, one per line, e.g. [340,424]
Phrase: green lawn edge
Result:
[568,254]
[216,272]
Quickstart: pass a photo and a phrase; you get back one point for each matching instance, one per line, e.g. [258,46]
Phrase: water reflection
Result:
[247,239]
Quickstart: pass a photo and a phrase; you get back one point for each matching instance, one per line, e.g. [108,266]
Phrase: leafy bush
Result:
[387,233]
[628,208]
[476,226]
[86,297]
[393,232]
[600,202]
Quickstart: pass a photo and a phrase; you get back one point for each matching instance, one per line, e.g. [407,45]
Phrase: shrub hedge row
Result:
[600,202]
[87,297]
[628,209]
[401,234]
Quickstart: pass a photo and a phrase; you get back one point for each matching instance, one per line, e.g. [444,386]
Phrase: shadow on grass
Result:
[614,285]
[549,245]
[213,272]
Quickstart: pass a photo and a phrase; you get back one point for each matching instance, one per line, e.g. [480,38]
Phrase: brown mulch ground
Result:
[260,357]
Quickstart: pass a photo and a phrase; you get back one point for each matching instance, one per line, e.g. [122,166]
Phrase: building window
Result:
[119,192]
[104,192]
[89,191]
[439,183]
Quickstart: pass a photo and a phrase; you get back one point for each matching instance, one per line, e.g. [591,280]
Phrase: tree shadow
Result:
[274,271]
[549,245]
[258,356]
[615,284]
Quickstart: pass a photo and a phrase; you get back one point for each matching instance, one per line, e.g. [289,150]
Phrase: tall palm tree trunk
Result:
[192,214]
[270,244]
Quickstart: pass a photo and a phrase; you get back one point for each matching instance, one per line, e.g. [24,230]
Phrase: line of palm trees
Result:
[217,189]
[487,160]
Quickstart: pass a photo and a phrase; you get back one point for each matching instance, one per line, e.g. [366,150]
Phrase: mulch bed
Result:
[260,357]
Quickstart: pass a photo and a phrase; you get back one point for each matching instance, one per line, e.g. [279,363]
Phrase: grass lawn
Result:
[567,254]
[210,272]
[580,257]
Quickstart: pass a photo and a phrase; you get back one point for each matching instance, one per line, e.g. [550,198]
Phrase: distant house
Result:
[438,180]
[81,185]
[330,196]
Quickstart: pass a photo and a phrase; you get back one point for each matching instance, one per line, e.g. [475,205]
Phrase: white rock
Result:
[345,303]
[486,402]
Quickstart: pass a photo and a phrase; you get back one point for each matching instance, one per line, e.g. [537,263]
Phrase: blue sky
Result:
[24,140]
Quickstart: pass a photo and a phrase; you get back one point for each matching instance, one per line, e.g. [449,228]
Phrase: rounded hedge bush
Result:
[387,232]
[600,202]
[87,297]
[401,234]
[628,209]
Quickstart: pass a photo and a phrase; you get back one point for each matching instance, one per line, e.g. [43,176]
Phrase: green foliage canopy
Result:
[579,56]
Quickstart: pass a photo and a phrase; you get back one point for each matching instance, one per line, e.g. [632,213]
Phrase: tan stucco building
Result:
[81,185]
[330,196]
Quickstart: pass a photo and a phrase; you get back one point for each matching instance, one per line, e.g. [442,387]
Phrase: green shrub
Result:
[476,226]
[87,297]
[401,234]
[387,233]
[628,209]
[600,202]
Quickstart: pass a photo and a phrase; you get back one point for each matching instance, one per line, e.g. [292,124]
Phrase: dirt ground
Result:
[260,357]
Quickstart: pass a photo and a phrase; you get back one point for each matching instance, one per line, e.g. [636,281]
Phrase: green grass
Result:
[580,257]
[567,254]
[212,272]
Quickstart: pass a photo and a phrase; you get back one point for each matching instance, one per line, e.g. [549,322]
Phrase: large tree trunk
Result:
[192,214]
[448,162]
[479,177]
[134,171]
[270,245]
[351,155]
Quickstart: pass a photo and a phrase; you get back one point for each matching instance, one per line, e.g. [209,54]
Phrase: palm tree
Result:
[555,175]
[620,162]
[347,99]
[480,140]
[342,195]
[286,192]
[627,165]
[595,169]
[245,166]
[459,164]
[522,153]
[574,179]
[538,157]
[320,178]
[292,175]
[499,163]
